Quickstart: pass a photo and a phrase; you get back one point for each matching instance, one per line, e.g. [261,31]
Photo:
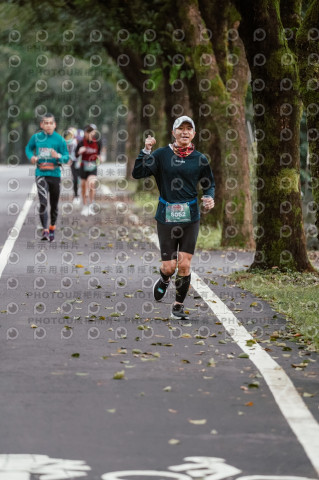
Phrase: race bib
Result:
[89,166]
[45,160]
[177,212]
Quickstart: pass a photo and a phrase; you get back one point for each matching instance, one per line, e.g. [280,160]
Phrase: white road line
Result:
[15,231]
[293,408]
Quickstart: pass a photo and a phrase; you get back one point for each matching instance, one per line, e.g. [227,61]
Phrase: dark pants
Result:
[76,176]
[48,186]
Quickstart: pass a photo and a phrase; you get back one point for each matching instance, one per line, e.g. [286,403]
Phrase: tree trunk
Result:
[280,238]
[214,101]
[308,59]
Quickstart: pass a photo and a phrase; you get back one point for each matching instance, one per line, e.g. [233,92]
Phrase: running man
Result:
[48,150]
[89,148]
[178,169]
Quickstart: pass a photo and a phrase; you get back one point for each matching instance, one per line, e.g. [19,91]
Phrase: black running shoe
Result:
[178,312]
[159,289]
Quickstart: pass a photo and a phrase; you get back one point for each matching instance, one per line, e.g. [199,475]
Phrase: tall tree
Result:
[280,236]
[218,102]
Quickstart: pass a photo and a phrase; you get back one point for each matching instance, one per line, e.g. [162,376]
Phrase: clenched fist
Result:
[149,142]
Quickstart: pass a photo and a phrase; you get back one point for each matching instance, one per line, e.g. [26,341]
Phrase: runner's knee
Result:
[169,267]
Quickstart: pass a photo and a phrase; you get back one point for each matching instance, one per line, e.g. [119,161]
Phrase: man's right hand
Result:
[149,142]
[34,159]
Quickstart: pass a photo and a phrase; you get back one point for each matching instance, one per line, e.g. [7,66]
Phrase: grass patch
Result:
[209,237]
[296,295]
[143,198]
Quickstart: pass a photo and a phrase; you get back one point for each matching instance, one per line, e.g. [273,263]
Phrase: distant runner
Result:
[48,150]
[89,149]
[71,142]
[178,169]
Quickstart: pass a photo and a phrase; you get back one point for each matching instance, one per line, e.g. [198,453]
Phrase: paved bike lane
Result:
[79,310]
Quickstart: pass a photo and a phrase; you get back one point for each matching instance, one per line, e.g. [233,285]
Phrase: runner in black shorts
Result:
[178,169]
[89,148]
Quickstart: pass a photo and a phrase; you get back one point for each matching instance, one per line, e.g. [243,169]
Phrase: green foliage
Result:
[76,91]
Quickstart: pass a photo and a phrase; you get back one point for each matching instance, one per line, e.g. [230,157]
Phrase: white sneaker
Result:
[76,201]
[85,210]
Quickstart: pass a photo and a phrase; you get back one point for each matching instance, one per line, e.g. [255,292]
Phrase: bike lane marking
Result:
[290,403]
[15,230]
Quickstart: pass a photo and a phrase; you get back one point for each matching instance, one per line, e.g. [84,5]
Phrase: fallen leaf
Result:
[167,389]
[253,384]
[75,355]
[243,387]
[122,350]
[249,404]
[119,375]
[198,422]
[243,355]
[211,363]
[174,441]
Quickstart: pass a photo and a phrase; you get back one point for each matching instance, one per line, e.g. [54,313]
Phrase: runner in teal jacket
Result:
[48,150]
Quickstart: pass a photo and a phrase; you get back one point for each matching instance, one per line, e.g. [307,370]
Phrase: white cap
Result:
[181,120]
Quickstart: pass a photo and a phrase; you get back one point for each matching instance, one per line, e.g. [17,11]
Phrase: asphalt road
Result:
[79,311]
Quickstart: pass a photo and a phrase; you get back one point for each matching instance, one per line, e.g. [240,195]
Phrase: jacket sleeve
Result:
[206,180]
[145,165]
[30,148]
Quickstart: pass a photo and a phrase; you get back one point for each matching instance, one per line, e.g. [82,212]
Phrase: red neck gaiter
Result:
[183,151]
